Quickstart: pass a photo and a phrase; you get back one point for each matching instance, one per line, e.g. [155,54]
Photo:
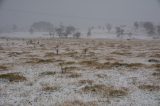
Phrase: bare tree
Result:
[119,31]
[109,27]
[31,31]
[149,27]
[60,31]
[69,30]
[77,35]
[42,26]
[89,32]
[158,30]
[136,26]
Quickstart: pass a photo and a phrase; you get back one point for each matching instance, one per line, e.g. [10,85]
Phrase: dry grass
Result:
[50,54]
[157,66]
[13,77]
[90,63]
[149,87]
[48,88]
[67,63]
[90,82]
[105,90]
[74,75]
[78,103]
[157,55]
[40,61]
[4,68]
[47,73]
[71,54]
[70,69]
[109,65]
[14,54]
[121,53]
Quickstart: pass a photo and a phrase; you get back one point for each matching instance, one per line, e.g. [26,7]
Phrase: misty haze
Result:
[79,52]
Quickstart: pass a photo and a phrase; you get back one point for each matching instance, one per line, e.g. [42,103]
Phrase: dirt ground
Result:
[79,72]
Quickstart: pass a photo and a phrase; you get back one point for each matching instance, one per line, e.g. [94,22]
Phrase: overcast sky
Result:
[78,12]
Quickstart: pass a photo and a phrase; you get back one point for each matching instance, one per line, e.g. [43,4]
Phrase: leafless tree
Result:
[158,30]
[69,30]
[77,35]
[136,25]
[119,31]
[89,32]
[149,27]
[109,27]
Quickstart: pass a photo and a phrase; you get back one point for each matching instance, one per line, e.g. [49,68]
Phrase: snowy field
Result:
[85,72]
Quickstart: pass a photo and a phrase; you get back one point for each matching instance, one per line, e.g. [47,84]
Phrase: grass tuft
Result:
[13,77]
[105,90]
[149,87]
[47,73]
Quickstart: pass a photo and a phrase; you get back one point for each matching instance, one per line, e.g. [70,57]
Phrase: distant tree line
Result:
[70,31]
[61,31]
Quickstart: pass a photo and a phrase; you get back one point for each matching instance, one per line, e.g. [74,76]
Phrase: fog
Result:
[78,12]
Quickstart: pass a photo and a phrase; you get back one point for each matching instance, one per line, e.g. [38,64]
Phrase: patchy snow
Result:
[31,93]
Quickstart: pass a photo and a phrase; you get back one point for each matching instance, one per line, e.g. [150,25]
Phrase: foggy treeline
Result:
[64,31]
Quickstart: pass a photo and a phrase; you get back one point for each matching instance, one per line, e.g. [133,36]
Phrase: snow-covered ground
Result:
[81,74]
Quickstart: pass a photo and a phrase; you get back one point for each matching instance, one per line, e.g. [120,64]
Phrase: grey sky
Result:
[78,12]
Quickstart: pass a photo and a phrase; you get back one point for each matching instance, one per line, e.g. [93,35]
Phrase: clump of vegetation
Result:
[105,90]
[90,82]
[67,63]
[13,77]
[157,66]
[48,88]
[109,65]
[3,68]
[48,73]
[74,75]
[90,63]
[117,93]
[78,103]
[154,61]
[50,54]
[71,54]
[149,87]
[67,69]
[121,53]
[155,55]
[40,61]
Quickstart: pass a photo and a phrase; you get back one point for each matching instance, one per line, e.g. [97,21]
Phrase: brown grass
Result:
[4,68]
[50,54]
[121,53]
[157,55]
[149,87]
[90,82]
[47,73]
[90,63]
[157,66]
[109,65]
[40,61]
[13,77]
[74,75]
[105,90]
[67,63]
[49,88]
[78,103]
[69,69]
[71,54]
